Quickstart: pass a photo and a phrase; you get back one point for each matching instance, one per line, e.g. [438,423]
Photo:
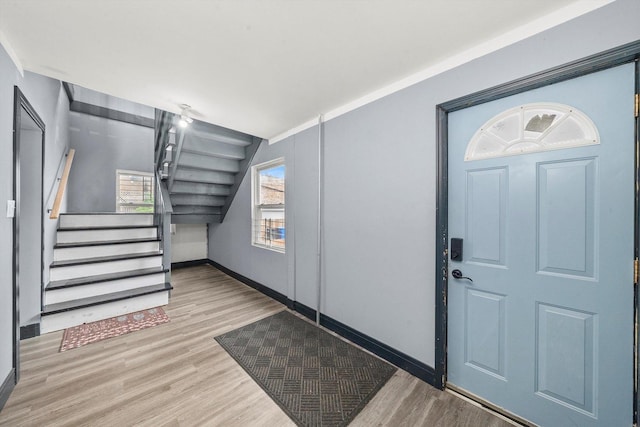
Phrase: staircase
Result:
[201,166]
[104,265]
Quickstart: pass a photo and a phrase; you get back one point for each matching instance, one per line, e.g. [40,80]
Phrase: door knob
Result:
[457,274]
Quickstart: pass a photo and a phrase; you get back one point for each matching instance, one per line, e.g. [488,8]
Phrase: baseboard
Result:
[306,311]
[403,361]
[29,331]
[391,355]
[185,264]
[252,283]
[7,387]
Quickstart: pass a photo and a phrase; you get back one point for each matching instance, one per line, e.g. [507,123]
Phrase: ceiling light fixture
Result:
[185,117]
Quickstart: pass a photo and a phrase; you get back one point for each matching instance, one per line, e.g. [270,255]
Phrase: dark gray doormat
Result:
[316,378]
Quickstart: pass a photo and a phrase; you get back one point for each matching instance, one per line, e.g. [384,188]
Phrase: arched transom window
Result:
[532,128]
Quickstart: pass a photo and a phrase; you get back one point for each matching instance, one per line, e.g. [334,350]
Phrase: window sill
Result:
[269,248]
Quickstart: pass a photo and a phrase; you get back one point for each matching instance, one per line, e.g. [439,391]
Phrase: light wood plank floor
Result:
[176,374]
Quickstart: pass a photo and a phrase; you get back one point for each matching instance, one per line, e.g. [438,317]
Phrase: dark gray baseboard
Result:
[7,387]
[185,264]
[255,285]
[29,331]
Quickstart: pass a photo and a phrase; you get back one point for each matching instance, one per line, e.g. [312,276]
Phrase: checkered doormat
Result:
[315,377]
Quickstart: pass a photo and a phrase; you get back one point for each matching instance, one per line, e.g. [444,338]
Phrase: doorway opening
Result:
[28,223]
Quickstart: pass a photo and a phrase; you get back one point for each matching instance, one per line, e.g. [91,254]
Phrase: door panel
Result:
[485,332]
[545,330]
[565,365]
[486,215]
[566,217]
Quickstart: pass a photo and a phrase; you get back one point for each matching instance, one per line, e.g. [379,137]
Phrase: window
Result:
[532,128]
[268,217]
[134,192]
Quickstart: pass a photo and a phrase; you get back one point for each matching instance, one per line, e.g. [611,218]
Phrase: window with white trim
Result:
[268,210]
[532,128]
[134,191]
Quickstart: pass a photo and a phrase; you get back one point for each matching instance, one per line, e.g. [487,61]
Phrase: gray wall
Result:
[103,146]
[231,243]
[188,242]
[48,99]
[380,192]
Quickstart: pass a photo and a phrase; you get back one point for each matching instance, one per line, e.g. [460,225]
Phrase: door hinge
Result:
[637,109]
[636,268]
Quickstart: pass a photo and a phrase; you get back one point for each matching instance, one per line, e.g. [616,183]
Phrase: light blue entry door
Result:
[541,192]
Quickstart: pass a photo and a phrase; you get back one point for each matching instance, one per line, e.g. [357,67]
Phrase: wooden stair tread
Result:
[102,299]
[104,242]
[95,260]
[61,284]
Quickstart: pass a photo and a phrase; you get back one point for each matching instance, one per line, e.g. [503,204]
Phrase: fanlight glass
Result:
[532,128]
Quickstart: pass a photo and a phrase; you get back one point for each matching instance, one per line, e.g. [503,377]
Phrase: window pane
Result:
[135,193]
[270,228]
[269,205]
[272,186]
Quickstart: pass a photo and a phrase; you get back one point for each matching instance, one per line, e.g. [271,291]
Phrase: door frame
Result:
[21,103]
[617,56]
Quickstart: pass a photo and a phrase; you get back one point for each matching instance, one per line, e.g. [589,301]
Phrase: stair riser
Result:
[119,220]
[87,270]
[66,254]
[207,147]
[212,177]
[208,163]
[102,288]
[198,200]
[200,188]
[84,236]
[67,319]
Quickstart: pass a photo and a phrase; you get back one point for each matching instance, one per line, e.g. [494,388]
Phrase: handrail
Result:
[176,159]
[162,219]
[162,199]
[63,157]
[158,209]
[163,124]
[55,211]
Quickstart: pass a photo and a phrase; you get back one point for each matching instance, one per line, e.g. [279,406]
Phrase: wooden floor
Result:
[176,374]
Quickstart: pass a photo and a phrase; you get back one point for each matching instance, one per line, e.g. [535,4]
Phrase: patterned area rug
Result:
[112,327]
[315,377]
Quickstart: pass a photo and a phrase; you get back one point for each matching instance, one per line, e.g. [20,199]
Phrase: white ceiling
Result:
[263,67]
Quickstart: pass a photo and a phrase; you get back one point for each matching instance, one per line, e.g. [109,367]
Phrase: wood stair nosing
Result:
[103,299]
[95,260]
[105,242]
[90,280]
